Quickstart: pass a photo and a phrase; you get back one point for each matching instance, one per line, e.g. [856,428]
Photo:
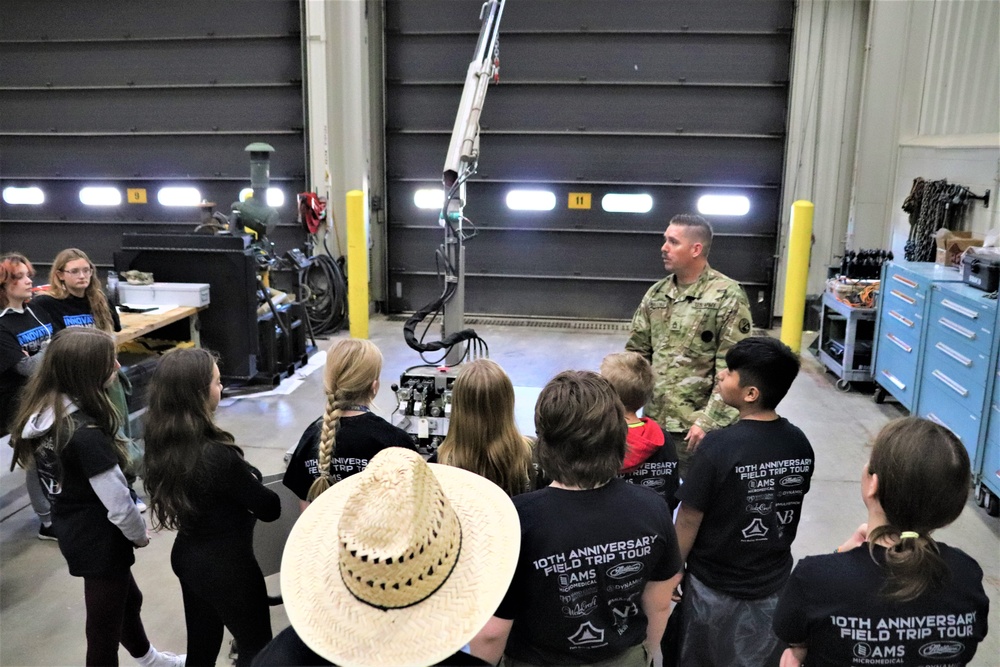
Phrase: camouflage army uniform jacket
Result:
[685,333]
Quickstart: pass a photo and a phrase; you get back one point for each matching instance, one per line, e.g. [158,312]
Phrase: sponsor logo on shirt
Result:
[653,483]
[865,653]
[622,614]
[939,650]
[78,320]
[624,569]
[581,608]
[760,508]
[756,529]
[587,635]
[791,480]
[569,582]
[32,335]
[785,517]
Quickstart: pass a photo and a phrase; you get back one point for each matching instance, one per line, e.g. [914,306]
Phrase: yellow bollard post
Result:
[357,264]
[797,274]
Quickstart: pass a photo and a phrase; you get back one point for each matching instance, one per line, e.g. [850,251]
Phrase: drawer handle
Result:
[900,344]
[903,297]
[957,328]
[900,279]
[951,384]
[960,358]
[893,379]
[896,316]
[961,310]
[934,418]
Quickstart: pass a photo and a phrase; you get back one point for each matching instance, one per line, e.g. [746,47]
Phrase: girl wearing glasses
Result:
[75,298]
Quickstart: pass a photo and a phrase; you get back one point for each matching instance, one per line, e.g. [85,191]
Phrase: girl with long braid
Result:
[349,434]
[892,593]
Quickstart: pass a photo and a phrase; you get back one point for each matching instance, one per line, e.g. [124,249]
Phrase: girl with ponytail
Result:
[349,434]
[892,573]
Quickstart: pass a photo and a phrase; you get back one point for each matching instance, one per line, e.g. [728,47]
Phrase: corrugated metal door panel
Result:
[144,96]
[575,15]
[587,107]
[672,99]
[488,208]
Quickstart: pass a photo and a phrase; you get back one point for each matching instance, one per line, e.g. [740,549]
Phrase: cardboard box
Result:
[951,245]
[165,294]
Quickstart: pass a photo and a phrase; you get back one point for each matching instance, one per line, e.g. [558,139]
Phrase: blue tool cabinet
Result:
[936,352]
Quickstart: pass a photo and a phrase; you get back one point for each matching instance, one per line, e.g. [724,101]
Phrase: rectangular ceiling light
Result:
[531,200]
[30,196]
[618,203]
[174,196]
[100,196]
[275,196]
[723,205]
[429,198]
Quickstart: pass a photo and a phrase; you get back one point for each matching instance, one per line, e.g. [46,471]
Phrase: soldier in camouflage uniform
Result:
[685,325]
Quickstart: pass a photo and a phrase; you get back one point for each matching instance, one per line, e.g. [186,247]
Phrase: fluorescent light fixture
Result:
[275,196]
[31,196]
[723,205]
[531,200]
[101,196]
[617,203]
[429,198]
[178,196]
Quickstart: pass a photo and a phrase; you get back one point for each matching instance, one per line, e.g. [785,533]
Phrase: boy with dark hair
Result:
[740,508]
[598,559]
[650,457]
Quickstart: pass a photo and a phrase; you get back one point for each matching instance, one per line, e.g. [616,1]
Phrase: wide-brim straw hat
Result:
[399,565]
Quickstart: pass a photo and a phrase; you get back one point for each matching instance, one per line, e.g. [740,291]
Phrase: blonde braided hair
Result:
[352,367]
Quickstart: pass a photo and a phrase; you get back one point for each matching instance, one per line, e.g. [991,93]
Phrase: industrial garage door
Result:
[129,98]
[671,99]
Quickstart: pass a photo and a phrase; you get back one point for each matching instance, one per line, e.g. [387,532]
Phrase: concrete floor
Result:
[41,606]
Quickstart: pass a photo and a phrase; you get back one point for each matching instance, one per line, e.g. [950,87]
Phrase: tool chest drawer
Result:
[961,314]
[940,408]
[902,323]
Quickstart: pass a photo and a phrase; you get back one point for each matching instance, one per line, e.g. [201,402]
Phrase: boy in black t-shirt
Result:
[740,508]
[598,559]
[650,456]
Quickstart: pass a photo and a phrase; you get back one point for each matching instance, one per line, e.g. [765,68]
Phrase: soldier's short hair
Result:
[765,363]
[698,226]
[631,376]
[580,423]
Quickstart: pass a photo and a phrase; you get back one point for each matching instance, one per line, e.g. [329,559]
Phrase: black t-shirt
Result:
[749,480]
[586,557]
[358,439]
[832,604]
[91,544]
[227,496]
[658,472]
[73,311]
[20,332]
[289,649]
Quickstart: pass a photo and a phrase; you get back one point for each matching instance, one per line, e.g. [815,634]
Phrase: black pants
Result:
[222,586]
[113,606]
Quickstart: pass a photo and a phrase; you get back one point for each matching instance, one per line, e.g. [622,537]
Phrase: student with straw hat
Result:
[399,565]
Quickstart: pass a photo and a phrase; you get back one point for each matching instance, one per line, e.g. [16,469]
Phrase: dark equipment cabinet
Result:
[226,263]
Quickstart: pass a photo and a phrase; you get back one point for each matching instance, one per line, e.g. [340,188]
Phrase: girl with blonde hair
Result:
[349,434]
[482,435]
[75,297]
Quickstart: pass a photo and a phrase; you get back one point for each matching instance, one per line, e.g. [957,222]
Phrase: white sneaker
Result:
[156,658]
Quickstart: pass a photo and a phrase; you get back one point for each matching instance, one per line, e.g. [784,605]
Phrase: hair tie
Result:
[909,534]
